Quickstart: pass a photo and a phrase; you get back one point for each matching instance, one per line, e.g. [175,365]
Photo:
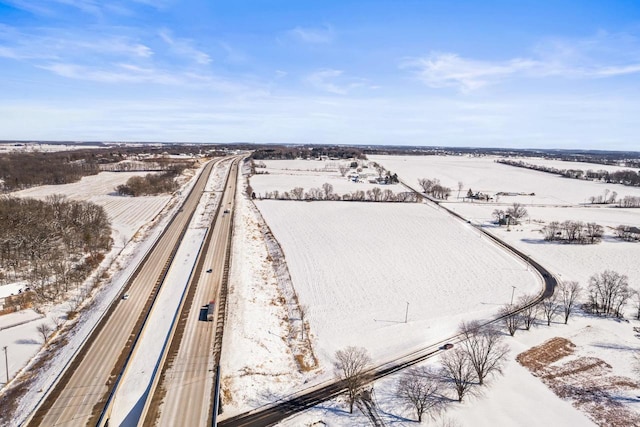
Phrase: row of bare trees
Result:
[525,313]
[433,188]
[481,353]
[630,202]
[376,194]
[573,232]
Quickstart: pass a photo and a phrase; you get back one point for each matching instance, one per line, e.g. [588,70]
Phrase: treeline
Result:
[376,194]
[307,152]
[23,170]
[573,232]
[151,184]
[630,202]
[51,242]
[433,188]
[152,164]
[625,177]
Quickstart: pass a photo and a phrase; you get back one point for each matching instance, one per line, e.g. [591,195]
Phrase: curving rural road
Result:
[80,395]
[298,402]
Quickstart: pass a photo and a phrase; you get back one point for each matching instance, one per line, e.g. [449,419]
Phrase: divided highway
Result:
[187,385]
[80,395]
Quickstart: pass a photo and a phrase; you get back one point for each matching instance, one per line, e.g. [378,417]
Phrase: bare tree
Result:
[568,293]
[419,390]
[426,184]
[459,370]
[609,292]
[460,186]
[44,329]
[551,231]
[529,312]
[511,319]
[516,212]
[550,307]
[297,193]
[484,347]
[350,366]
[328,190]
[498,214]
[343,168]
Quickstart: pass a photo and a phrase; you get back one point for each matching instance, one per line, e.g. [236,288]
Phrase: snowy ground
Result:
[485,175]
[561,164]
[24,342]
[330,251]
[284,175]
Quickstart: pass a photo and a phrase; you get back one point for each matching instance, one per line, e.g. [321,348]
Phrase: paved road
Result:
[78,398]
[298,402]
[189,381]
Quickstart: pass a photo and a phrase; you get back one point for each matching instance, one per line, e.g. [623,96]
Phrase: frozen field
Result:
[485,175]
[356,265]
[561,164]
[284,175]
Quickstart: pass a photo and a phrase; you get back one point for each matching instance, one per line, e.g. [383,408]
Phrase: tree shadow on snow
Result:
[27,341]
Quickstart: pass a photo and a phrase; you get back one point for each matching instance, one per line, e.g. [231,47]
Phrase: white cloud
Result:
[448,69]
[334,81]
[184,48]
[601,56]
[120,73]
[323,80]
[313,35]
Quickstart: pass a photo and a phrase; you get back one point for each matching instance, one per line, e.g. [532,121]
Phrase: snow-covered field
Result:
[284,175]
[485,175]
[561,164]
[357,265]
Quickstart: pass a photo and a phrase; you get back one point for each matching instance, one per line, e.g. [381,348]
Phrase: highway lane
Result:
[188,383]
[77,398]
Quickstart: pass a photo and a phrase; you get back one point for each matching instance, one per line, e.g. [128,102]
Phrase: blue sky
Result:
[518,73]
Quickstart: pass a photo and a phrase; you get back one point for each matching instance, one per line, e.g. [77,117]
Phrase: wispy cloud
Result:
[120,73]
[334,81]
[602,56]
[448,69]
[324,34]
[92,7]
[184,47]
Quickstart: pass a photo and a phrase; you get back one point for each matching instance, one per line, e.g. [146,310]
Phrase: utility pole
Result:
[6,362]
[513,291]
[406,314]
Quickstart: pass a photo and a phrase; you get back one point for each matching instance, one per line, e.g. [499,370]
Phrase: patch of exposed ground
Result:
[586,381]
